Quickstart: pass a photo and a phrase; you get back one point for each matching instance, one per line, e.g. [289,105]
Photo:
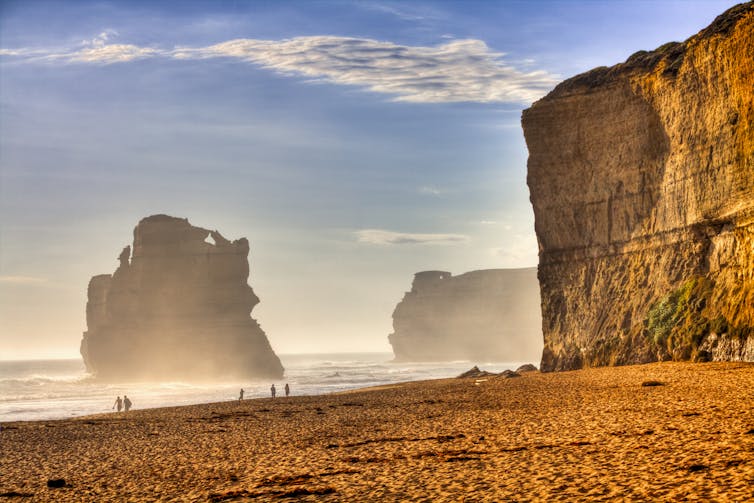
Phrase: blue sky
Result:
[353,144]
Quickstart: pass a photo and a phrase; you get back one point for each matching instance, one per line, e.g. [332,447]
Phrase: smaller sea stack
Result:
[487,315]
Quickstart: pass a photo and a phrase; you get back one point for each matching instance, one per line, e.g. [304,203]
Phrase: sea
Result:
[58,389]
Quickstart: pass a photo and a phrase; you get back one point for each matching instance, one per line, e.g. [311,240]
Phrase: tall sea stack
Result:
[642,182]
[178,307]
[483,316]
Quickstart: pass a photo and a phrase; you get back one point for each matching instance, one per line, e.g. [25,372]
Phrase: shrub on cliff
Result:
[676,323]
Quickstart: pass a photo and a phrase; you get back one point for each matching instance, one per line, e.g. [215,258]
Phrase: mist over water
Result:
[57,389]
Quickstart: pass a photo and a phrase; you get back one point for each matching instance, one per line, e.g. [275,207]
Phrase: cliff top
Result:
[476,271]
[429,279]
[670,54]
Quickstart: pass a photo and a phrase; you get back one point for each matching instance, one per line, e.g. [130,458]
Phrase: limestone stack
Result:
[483,316]
[177,307]
[642,182]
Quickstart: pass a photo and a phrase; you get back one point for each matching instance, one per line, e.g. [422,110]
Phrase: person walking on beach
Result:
[126,403]
[118,403]
[240,395]
[287,389]
[272,390]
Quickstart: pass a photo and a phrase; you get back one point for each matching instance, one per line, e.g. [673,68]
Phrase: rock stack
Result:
[177,307]
[484,316]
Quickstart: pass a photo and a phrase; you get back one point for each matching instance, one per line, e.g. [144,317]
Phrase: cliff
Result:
[490,315]
[178,307]
[642,181]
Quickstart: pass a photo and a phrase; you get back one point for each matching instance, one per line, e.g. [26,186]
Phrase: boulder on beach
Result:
[475,372]
[507,374]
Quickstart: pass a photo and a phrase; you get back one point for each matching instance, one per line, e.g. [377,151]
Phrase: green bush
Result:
[676,323]
[666,313]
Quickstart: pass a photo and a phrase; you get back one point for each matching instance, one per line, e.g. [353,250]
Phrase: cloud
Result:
[102,38]
[89,52]
[430,191]
[26,54]
[455,71]
[22,280]
[98,50]
[111,53]
[404,12]
[383,237]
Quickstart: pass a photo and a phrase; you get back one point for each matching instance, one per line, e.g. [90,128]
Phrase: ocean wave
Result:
[44,390]
[42,380]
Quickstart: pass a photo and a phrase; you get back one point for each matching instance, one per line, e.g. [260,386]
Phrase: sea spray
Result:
[57,389]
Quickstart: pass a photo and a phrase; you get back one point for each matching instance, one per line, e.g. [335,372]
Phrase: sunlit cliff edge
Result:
[642,181]
[484,316]
[177,308]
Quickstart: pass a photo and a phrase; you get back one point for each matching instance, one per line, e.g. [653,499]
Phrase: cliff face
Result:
[642,182]
[178,307]
[491,315]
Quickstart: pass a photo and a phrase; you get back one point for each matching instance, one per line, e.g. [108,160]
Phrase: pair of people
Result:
[273,391]
[126,402]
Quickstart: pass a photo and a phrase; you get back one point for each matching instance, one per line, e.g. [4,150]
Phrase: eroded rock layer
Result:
[489,315]
[178,307]
[642,182]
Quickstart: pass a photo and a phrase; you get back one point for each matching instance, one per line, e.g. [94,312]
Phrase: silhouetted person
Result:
[240,395]
[118,403]
[126,403]
[272,390]
[287,389]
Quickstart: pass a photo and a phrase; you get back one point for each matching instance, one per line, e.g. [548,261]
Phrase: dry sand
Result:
[589,435]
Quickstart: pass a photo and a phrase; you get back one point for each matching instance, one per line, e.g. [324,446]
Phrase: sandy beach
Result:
[596,435]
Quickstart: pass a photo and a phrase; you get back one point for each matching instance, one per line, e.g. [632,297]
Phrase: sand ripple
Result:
[591,435]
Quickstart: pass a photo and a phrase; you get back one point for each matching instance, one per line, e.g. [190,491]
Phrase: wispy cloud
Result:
[96,50]
[456,71]
[430,191]
[101,38]
[111,53]
[404,12]
[384,237]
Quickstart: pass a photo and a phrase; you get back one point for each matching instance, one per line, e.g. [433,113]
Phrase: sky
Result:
[353,143]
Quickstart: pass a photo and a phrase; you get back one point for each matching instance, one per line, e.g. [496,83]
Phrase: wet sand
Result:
[593,435]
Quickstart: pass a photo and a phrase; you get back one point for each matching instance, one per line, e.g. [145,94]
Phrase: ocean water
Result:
[56,389]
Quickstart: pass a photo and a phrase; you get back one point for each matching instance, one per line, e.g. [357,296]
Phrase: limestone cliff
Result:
[491,315]
[177,308]
[642,182]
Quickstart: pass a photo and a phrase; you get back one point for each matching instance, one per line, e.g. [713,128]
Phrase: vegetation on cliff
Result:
[678,323]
